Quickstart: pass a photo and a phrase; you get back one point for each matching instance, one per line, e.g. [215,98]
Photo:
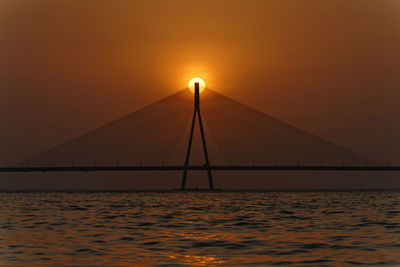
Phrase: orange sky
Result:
[329,67]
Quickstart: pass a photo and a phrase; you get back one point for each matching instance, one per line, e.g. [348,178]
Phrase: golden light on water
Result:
[201,83]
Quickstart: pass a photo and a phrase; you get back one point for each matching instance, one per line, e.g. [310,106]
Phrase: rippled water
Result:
[222,228]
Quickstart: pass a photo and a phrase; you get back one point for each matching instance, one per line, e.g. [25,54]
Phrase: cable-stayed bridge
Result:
[174,134]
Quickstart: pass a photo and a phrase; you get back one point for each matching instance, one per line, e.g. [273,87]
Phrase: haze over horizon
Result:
[328,67]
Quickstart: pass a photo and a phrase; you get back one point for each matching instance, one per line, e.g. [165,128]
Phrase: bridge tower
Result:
[197,112]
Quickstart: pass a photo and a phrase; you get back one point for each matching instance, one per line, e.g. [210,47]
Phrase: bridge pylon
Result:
[197,113]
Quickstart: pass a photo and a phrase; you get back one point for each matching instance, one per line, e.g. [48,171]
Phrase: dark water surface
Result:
[223,228]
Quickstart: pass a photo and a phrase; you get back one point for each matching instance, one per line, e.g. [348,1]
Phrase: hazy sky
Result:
[329,67]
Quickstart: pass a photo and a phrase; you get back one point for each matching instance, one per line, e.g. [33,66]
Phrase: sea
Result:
[200,228]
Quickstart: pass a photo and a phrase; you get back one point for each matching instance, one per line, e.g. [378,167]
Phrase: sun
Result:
[201,83]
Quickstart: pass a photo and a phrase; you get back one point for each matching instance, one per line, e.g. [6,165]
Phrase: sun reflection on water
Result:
[146,229]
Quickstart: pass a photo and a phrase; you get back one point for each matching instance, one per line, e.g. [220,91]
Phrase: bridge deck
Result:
[198,168]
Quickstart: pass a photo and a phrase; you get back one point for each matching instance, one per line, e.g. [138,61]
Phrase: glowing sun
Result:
[202,84]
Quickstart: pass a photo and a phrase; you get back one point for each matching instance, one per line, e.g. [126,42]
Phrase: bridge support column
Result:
[203,139]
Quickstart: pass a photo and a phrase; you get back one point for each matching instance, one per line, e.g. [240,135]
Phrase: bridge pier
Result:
[203,139]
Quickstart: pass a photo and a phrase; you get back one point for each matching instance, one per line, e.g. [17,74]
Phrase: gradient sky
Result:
[329,67]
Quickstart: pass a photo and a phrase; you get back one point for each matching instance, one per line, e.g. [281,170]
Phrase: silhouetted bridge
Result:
[244,139]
